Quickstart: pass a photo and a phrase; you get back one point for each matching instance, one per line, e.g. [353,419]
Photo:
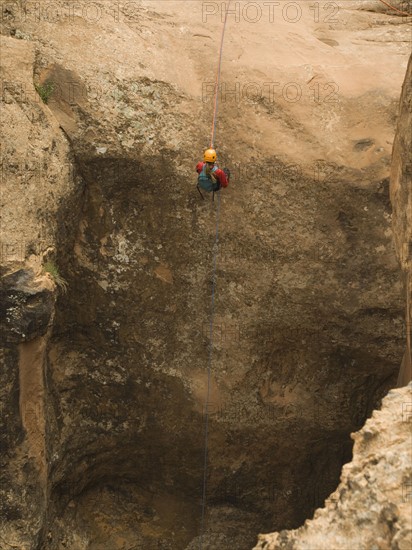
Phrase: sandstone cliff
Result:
[371,508]
[104,385]
[401,198]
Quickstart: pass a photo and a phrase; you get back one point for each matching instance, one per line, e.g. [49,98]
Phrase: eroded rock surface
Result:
[309,307]
[371,508]
[401,198]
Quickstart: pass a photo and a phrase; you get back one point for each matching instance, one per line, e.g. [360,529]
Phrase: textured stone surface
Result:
[371,508]
[36,177]
[401,198]
[26,307]
[36,167]
[308,329]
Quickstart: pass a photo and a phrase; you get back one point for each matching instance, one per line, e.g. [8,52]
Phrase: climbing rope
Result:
[217,80]
[209,370]
[212,312]
[395,9]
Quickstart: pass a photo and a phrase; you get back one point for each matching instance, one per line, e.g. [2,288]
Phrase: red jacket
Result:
[220,175]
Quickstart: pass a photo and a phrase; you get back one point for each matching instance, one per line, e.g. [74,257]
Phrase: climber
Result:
[211,178]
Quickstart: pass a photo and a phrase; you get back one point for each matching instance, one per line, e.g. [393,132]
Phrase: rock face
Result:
[401,198]
[371,508]
[26,309]
[395,8]
[36,178]
[308,328]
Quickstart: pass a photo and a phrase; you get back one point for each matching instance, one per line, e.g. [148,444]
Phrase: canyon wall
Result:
[103,405]
[371,508]
[401,198]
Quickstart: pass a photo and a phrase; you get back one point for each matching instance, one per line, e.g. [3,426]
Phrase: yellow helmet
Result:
[210,155]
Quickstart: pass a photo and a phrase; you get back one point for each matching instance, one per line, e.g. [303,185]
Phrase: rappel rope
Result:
[395,9]
[217,80]
[215,251]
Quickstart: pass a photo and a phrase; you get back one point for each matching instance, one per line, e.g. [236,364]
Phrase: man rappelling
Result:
[211,178]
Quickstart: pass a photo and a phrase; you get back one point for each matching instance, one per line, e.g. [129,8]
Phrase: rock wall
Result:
[371,508]
[395,8]
[36,177]
[401,198]
[308,303]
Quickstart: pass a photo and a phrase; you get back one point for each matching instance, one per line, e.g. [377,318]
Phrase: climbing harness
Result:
[212,138]
[208,183]
[213,193]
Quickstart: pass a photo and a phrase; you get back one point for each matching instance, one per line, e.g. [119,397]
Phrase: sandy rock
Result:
[401,198]
[26,307]
[106,423]
[371,507]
